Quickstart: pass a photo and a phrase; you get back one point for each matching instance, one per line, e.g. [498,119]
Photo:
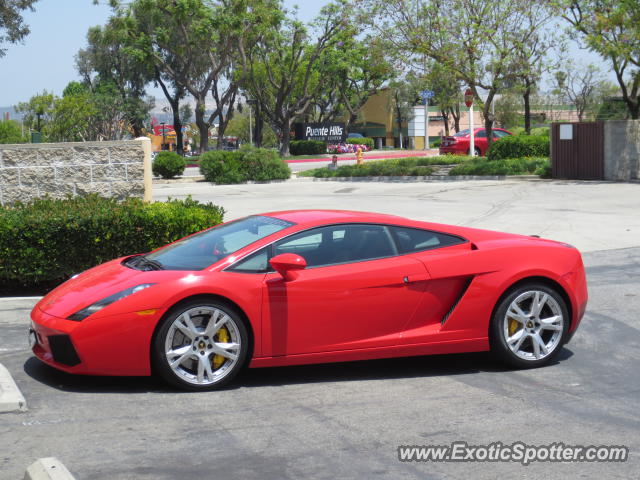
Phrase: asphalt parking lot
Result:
[347,420]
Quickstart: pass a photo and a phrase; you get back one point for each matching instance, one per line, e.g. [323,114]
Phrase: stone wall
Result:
[622,150]
[110,169]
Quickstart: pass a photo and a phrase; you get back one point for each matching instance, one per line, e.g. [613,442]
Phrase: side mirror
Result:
[288,264]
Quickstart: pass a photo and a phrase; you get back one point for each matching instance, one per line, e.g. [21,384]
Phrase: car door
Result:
[355,293]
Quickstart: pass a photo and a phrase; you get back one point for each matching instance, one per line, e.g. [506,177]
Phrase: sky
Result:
[58,30]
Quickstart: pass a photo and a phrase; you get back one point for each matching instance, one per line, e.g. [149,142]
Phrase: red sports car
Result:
[459,143]
[313,286]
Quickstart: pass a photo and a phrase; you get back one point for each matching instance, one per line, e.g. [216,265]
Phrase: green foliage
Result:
[12,27]
[246,164]
[361,141]
[168,165]
[44,242]
[517,146]
[11,132]
[37,111]
[307,147]
[507,166]
[261,165]
[397,167]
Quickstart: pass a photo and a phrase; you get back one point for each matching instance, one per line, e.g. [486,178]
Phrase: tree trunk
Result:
[203,126]
[286,138]
[258,128]
[488,118]
[526,96]
[177,126]
[445,115]
[455,113]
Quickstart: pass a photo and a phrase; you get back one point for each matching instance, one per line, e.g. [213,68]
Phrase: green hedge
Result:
[307,147]
[44,242]
[508,166]
[361,141]
[256,164]
[518,146]
[168,165]
[397,168]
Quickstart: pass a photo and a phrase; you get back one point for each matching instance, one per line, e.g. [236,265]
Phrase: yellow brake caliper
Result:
[513,326]
[222,337]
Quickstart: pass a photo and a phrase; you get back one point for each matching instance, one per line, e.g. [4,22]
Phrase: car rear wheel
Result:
[529,326]
[477,150]
[200,345]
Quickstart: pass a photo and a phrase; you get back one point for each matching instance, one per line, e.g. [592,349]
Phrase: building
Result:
[377,120]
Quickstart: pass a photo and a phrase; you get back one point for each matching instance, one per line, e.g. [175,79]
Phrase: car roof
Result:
[321,217]
[312,218]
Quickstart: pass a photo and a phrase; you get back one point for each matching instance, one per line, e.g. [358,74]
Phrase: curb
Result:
[49,468]
[429,178]
[11,399]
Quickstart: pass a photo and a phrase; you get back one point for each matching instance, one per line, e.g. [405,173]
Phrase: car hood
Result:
[93,285]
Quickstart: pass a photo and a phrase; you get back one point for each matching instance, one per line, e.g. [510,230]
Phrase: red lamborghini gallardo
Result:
[313,286]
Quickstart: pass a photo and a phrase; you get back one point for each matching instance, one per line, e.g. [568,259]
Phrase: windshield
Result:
[206,248]
[462,133]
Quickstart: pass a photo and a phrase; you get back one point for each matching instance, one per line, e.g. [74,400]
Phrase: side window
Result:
[337,244]
[257,262]
[416,240]
[482,134]
[500,133]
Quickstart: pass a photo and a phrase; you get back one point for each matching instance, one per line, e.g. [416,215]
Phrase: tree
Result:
[239,127]
[37,110]
[578,85]
[107,57]
[477,40]
[282,71]
[12,26]
[612,29]
[11,132]
[447,93]
[197,44]
[508,109]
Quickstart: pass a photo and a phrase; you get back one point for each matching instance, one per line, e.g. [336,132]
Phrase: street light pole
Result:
[163,135]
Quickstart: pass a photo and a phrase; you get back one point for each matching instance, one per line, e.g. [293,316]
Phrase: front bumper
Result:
[110,345]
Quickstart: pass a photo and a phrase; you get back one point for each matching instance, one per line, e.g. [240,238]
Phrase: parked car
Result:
[313,286]
[459,143]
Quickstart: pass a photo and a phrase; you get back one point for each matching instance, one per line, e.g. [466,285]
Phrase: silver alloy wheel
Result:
[533,325]
[194,344]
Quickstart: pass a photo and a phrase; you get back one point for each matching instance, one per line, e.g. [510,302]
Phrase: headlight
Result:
[100,304]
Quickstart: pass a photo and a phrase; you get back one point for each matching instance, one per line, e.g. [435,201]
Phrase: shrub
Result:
[508,166]
[261,165]
[519,146]
[221,166]
[347,148]
[361,141]
[307,147]
[258,164]
[394,167]
[168,165]
[46,241]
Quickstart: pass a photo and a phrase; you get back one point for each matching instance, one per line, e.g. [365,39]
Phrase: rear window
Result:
[462,133]
[410,240]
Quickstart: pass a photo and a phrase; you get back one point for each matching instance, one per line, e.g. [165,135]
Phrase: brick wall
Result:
[110,169]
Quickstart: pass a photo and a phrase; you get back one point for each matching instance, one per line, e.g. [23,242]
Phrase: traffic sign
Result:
[427,94]
[468,97]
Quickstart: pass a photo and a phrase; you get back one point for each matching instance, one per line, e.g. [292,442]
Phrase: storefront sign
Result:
[325,132]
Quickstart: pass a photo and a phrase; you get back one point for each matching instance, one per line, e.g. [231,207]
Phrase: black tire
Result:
[501,326]
[185,374]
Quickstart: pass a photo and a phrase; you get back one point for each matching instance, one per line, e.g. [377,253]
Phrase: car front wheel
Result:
[200,345]
[529,326]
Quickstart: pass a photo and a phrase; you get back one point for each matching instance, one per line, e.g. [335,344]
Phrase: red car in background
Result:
[459,142]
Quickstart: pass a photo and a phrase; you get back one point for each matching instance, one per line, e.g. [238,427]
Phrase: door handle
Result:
[418,277]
